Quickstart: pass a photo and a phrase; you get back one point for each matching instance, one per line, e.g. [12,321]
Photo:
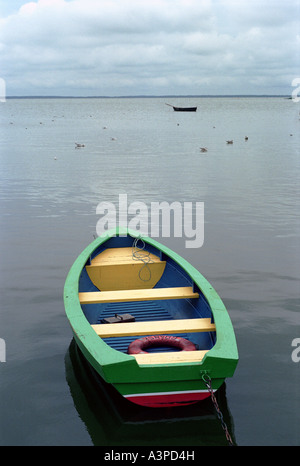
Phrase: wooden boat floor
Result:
[143,311]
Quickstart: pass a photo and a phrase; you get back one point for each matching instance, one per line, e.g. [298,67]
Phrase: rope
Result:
[207,380]
[140,254]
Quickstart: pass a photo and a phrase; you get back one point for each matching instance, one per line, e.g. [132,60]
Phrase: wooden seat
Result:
[117,256]
[137,295]
[154,328]
[170,357]
[119,269]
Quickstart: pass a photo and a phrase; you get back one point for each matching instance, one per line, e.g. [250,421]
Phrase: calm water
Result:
[49,193]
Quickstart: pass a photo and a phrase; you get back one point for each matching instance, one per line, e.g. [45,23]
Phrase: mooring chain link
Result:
[207,380]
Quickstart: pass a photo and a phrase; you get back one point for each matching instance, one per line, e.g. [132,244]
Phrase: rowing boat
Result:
[183,109]
[148,322]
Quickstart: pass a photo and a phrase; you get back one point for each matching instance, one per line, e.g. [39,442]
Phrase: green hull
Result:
[153,384]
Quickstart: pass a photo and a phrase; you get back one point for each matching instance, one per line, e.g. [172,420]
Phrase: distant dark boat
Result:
[183,109]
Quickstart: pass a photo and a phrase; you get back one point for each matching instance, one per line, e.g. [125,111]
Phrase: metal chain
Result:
[207,380]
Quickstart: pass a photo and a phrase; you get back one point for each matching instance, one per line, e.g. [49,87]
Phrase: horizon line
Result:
[139,96]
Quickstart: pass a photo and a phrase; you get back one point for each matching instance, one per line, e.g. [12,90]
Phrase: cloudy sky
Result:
[149,47]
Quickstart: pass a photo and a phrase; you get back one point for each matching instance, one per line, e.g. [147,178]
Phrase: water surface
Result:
[49,192]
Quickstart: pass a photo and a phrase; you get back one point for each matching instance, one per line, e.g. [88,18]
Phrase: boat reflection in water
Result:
[112,420]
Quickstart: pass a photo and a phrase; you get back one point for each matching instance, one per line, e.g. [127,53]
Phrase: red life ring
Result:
[138,346]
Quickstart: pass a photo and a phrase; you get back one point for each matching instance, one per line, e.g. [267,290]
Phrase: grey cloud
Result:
[150,46]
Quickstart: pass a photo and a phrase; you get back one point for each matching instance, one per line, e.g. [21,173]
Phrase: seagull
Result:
[230,142]
[246,138]
[79,145]
[203,149]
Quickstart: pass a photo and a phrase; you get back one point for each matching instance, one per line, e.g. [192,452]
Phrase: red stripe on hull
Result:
[167,400]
